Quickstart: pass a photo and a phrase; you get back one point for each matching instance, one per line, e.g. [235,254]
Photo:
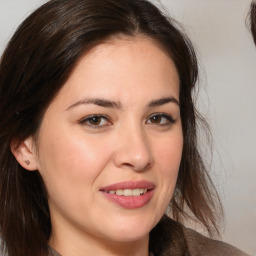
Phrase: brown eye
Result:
[160,119]
[156,119]
[95,121]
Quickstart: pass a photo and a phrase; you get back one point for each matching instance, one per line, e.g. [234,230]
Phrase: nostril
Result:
[128,165]
[143,167]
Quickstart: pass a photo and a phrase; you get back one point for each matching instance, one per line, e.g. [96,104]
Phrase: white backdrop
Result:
[228,61]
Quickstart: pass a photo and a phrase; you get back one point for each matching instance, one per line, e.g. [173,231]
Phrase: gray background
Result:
[228,80]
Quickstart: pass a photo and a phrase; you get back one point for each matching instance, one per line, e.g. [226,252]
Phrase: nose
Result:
[133,151]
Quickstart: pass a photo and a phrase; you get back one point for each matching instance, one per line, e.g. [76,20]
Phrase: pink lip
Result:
[129,202]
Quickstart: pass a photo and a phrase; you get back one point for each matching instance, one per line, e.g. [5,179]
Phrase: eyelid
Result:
[83,121]
[163,115]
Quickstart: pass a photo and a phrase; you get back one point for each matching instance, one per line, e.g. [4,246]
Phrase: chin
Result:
[131,229]
[130,236]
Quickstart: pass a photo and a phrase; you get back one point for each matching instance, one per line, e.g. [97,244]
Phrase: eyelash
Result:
[85,121]
[169,119]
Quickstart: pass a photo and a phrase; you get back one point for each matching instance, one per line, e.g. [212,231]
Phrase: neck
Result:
[72,246]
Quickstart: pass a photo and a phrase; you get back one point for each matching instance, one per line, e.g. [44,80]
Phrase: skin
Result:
[77,155]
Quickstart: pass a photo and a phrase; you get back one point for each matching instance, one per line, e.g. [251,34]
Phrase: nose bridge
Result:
[133,148]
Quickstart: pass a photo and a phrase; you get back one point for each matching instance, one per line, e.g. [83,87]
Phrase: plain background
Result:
[227,98]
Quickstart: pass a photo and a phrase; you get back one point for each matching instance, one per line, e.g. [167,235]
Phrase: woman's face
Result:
[110,144]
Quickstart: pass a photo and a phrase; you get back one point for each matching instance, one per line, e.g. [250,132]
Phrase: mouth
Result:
[129,194]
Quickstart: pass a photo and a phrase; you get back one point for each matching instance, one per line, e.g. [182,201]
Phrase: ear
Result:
[25,153]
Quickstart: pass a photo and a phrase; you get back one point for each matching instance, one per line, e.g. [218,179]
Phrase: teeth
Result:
[136,192]
[120,192]
[129,192]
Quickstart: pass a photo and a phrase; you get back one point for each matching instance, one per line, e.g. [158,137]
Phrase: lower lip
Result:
[130,202]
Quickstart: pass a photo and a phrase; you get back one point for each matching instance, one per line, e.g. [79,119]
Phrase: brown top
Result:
[170,238]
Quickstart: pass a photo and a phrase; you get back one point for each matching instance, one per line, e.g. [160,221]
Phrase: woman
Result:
[98,135]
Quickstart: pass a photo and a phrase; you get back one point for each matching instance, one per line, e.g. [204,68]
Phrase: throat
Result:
[103,248]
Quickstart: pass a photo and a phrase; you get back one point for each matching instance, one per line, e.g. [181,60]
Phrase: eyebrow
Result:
[112,104]
[162,101]
[97,101]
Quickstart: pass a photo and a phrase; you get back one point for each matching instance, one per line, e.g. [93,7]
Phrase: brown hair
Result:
[36,63]
[253,20]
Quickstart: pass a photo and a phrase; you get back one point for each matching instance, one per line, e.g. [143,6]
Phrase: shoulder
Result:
[198,245]
[172,238]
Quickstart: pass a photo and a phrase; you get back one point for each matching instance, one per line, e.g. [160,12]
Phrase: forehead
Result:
[122,51]
[122,66]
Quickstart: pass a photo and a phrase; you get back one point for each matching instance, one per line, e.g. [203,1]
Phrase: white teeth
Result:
[136,192]
[129,192]
[120,192]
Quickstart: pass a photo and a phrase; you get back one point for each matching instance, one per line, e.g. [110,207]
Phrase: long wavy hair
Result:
[34,66]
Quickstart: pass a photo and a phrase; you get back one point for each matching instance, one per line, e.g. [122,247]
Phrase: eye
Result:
[95,121]
[160,119]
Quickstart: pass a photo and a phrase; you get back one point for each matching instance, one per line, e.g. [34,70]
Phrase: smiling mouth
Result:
[129,198]
[128,192]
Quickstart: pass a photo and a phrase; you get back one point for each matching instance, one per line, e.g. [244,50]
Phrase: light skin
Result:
[116,119]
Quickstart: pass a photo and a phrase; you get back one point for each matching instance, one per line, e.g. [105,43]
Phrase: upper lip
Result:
[129,185]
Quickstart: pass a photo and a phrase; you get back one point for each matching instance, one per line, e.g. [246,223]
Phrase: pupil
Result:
[156,119]
[95,120]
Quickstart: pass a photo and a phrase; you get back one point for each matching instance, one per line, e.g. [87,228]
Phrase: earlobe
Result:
[25,153]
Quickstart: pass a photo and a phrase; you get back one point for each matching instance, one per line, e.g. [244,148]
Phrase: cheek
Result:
[71,159]
[169,153]
[168,161]
[70,169]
